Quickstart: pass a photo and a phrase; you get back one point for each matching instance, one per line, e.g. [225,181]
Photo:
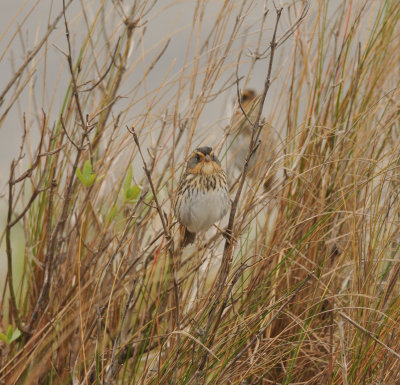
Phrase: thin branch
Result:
[68,137]
[71,69]
[54,237]
[14,308]
[102,77]
[11,223]
[168,237]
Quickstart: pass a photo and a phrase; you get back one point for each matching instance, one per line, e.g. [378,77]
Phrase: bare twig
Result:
[68,137]
[12,222]
[343,352]
[54,237]
[14,307]
[167,233]
[102,77]
[72,71]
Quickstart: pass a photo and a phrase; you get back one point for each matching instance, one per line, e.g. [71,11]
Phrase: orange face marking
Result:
[206,166]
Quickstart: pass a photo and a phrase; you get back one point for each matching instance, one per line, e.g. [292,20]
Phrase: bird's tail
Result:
[187,238]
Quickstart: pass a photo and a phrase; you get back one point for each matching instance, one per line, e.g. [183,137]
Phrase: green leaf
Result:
[86,176]
[111,214]
[9,332]
[87,169]
[132,193]
[3,337]
[128,179]
[11,335]
[15,335]
[80,175]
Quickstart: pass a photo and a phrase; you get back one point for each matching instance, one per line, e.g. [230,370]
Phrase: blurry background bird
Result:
[202,197]
[261,162]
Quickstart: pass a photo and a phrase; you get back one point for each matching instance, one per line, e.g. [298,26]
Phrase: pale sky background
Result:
[177,17]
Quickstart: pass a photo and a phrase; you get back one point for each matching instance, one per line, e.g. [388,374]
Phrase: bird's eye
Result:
[198,157]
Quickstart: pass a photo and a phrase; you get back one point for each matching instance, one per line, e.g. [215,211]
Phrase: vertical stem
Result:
[14,308]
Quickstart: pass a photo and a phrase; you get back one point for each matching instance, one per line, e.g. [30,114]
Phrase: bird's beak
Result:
[208,159]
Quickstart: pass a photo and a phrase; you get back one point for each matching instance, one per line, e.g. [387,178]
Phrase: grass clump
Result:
[304,289]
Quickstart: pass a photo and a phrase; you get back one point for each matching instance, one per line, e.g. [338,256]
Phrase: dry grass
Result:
[304,292]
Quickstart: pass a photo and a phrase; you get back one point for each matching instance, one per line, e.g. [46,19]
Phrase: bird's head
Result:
[248,96]
[249,102]
[203,161]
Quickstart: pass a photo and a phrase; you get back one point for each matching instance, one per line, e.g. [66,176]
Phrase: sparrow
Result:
[240,132]
[202,197]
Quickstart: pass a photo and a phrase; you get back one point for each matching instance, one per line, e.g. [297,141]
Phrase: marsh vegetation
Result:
[302,288]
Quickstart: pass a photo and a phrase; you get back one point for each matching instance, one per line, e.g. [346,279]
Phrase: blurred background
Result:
[25,24]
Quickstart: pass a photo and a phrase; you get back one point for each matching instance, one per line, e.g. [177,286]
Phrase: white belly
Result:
[200,211]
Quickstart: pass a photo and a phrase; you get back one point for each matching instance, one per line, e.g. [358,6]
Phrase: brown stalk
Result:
[265,328]
[54,240]
[72,72]
[228,247]
[14,307]
[162,215]
[369,334]
[12,222]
